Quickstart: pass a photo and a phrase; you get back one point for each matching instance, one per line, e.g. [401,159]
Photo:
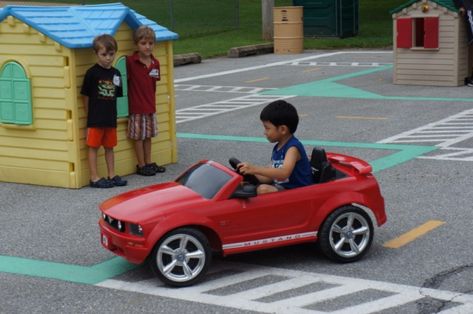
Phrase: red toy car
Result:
[209,208]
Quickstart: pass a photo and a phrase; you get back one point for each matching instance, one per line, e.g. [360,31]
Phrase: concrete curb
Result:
[187,58]
[250,50]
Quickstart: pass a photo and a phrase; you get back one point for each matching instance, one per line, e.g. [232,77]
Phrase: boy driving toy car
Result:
[290,167]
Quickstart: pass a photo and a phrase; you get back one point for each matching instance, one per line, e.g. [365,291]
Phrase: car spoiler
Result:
[361,166]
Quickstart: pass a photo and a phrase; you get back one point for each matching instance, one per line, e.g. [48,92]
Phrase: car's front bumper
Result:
[132,248]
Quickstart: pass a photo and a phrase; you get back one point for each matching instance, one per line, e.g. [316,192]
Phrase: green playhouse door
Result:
[329,18]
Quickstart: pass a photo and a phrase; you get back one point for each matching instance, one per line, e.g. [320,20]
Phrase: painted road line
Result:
[258,80]
[459,127]
[340,64]
[65,272]
[452,153]
[186,79]
[330,88]
[413,234]
[221,89]
[311,70]
[402,153]
[224,106]
[444,134]
[295,291]
[361,118]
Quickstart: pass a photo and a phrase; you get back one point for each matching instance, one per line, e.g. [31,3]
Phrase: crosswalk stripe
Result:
[314,297]
[444,134]
[219,107]
[381,304]
[259,298]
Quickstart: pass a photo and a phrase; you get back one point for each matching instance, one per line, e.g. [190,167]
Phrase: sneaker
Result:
[156,167]
[145,171]
[101,183]
[118,181]
[469,83]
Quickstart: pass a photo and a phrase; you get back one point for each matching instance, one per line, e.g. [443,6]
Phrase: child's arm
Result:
[264,173]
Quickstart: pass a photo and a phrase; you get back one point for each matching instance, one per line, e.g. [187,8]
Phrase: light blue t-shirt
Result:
[301,174]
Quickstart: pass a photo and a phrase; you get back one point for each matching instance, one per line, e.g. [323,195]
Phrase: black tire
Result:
[181,257]
[344,241]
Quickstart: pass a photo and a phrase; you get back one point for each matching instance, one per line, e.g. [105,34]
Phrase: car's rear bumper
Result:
[131,248]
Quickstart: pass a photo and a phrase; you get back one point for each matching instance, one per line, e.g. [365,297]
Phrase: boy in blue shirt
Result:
[290,165]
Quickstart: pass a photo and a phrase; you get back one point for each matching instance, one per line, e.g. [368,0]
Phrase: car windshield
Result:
[204,179]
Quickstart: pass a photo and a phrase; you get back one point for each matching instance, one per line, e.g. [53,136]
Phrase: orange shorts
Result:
[106,137]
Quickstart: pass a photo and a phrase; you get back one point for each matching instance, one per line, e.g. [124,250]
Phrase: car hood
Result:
[148,202]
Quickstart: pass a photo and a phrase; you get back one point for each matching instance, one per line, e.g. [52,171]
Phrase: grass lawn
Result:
[375,24]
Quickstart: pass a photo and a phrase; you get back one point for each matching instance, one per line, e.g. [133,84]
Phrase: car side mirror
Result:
[244,192]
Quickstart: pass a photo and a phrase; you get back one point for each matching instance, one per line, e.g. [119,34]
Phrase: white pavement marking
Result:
[221,89]
[444,134]
[186,79]
[247,298]
[339,64]
[223,106]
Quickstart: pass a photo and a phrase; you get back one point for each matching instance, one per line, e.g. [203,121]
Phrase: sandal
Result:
[156,167]
[118,181]
[101,183]
[145,171]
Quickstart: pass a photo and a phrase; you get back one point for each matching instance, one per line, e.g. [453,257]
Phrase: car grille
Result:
[114,223]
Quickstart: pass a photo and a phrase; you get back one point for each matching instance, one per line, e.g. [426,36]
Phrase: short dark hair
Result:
[280,112]
[106,41]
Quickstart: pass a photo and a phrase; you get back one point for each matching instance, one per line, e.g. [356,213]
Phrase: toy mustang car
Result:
[177,225]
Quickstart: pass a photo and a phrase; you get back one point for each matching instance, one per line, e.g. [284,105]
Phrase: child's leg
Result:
[266,188]
[93,163]
[140,153]
[110,160]
[147,150]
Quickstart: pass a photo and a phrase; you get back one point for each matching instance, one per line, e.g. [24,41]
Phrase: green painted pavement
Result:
[67,272]
[329,88]
[403,152]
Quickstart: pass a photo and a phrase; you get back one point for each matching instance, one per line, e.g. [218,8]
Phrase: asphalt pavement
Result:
[417,138]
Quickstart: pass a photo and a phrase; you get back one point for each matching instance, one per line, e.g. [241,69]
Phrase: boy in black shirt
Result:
[102,85]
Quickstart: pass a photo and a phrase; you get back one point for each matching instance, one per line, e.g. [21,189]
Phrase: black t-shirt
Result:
[102,86]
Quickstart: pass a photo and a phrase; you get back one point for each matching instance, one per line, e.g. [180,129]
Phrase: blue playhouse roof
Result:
[76,26]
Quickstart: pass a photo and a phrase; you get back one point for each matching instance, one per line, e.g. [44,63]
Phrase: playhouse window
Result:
[122,102]
[15,95]
[421,32]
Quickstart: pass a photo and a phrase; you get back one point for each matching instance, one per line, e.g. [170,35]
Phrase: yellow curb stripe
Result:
[413,234]
[311,70]
[361,117]
[258,80]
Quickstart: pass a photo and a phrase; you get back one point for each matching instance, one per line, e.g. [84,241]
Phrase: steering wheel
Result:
[250,178]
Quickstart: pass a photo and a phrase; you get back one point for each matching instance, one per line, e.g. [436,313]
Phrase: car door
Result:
[268,215]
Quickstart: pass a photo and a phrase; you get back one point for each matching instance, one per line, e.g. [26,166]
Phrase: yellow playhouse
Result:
[44,54]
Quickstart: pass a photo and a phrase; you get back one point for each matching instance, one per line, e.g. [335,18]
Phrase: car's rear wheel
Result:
[181,257]
[346,234]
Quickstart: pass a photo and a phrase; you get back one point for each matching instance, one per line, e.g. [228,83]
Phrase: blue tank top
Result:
[301,174]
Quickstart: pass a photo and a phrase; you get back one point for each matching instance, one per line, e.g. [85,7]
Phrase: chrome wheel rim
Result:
[349,235]
[181,258]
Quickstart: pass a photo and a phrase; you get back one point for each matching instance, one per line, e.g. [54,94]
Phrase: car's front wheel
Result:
[181,257]
[346,234]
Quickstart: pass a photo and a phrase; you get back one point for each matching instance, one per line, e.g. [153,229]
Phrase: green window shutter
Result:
[122,102]
[15,95]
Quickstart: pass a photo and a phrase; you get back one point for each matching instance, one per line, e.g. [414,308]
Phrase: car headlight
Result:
[120,225]
[136,229]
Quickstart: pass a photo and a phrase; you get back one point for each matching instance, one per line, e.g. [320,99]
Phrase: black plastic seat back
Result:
[322,170]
